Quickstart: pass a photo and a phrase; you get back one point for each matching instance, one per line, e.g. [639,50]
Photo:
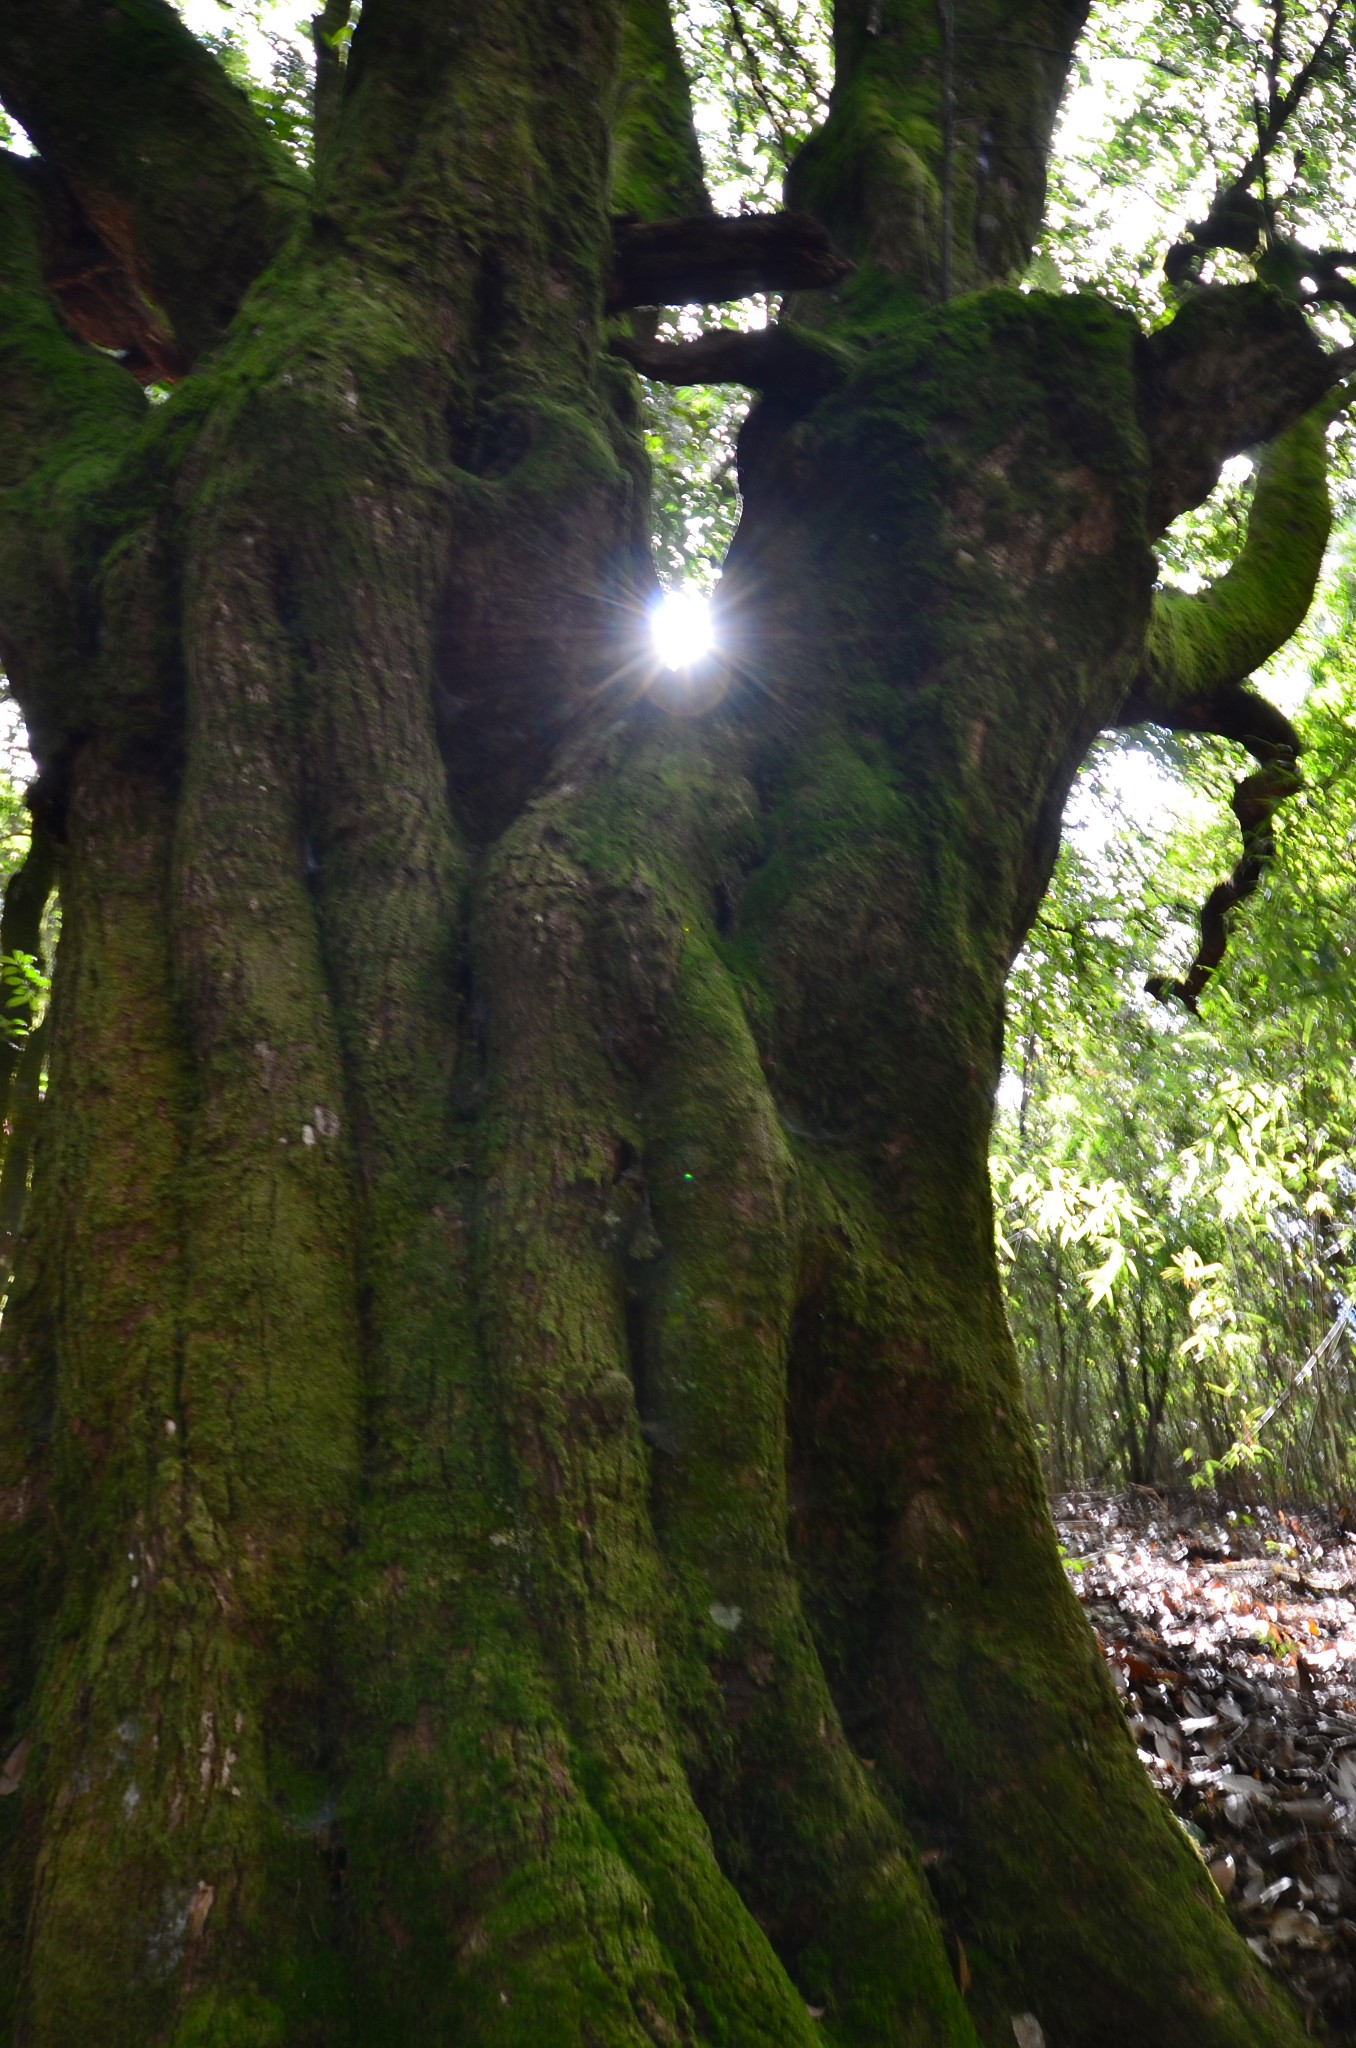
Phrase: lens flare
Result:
[680,626]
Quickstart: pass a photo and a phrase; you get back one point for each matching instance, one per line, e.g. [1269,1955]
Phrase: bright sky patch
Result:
[680,626]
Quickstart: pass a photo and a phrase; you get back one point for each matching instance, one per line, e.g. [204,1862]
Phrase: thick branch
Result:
[1199,650]
[178,177]
[656,161]
[1236,367]
[67,418]
[504,210]
[1255,801]
[326,29]
[931,166]
[704,259]
[781,359]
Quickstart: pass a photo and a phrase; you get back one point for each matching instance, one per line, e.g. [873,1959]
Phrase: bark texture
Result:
[517,1522]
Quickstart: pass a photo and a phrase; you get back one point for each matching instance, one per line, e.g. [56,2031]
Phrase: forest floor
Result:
[1230,1632]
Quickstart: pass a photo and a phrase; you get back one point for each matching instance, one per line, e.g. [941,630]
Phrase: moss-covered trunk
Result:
[517,1524]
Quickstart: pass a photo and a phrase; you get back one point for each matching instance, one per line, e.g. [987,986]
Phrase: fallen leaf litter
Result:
[1230,1633]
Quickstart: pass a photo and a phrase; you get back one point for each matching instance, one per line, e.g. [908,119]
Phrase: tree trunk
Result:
[517,1520]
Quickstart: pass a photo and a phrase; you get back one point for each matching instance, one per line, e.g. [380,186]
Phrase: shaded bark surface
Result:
[517,1521]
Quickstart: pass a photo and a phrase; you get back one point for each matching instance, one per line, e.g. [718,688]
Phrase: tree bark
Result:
[517,1519]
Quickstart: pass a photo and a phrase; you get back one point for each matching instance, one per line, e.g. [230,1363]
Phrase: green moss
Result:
[932,199]
[213,2022]
[656,162]
[1203,645]
[716,1315]
[872,176]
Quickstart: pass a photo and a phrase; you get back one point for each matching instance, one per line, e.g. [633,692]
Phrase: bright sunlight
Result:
[680,624]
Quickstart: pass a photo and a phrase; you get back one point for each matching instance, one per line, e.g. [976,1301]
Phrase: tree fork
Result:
[192,204]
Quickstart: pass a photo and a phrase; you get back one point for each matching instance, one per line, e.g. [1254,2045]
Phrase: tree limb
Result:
[1199,650]
[1201,647]
[1235,367]
[67,418]
[180,180]
[656,160]
[776,116]
[1236,220]
[326,28]
[508,212]
[782,360]
[1255,801]
[709,258]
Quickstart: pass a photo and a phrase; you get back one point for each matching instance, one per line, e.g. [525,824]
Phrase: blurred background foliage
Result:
[1178,1194]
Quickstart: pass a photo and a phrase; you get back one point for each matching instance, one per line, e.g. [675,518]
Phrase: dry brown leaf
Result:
[12,1772]
[199,1907]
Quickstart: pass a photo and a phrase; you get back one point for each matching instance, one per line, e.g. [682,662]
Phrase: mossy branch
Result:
[1200,649]
[782,360]
[931,166]
[1236,367]
[706,259]
[67,418]
[656,160]
[181,180]
[1255,802]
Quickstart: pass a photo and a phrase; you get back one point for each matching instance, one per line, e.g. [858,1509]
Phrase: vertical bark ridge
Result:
[269,1168]
[704,1222]
[554,1322]
[826,1865]
[265,1398]
[24,1046]
[908,834]
[462,1829]
[112,1718]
